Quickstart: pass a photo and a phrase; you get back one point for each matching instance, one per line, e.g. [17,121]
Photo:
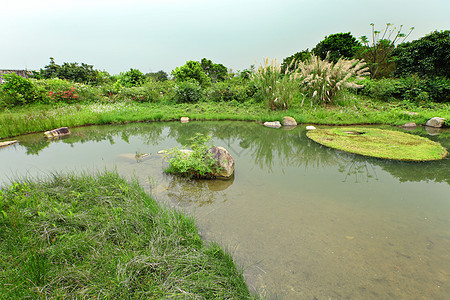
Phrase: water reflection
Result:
[266,146]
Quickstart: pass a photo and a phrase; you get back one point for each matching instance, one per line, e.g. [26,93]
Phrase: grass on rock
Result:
[82,236]
[386,144]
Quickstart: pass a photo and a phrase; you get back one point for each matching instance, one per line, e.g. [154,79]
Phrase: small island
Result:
[379,143]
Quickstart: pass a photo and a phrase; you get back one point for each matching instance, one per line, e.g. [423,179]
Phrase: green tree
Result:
[131,78]
[158,76]
[83,73]
[217,72]
[428,56]
[191,70]
[336,46]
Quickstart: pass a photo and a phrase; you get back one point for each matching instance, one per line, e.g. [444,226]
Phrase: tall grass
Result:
[86,237]
[277,89]
[323,79]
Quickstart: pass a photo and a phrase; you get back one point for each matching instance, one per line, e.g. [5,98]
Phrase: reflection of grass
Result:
[89,237]
[379,143]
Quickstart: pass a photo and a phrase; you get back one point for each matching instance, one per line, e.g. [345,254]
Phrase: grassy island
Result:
[386,144]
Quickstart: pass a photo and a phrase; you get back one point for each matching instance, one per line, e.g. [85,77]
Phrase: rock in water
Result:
[7,143]
[410,125]
[57,132]
[289,121]
[310,127]
[435,122]
[275,124]
[224,160]
[184,119]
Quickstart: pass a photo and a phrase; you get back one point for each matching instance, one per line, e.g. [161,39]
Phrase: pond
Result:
[304,221]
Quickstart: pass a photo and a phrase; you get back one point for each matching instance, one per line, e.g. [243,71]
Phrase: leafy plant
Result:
[217,72]
[323,79]
[275,88]
[289,62]
[17,90]
[187,92]
[196,164]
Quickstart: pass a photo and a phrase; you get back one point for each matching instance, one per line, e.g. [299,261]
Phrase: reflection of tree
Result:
[265,146]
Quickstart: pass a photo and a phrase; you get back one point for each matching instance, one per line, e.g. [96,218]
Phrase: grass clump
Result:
[77,237]
[379,143]
[198,163]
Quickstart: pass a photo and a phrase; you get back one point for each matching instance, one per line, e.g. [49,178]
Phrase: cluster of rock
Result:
[287,122]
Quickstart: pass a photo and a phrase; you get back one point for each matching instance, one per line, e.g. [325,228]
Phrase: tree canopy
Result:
[337,45]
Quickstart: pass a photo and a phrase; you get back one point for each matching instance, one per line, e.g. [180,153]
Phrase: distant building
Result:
[23,73]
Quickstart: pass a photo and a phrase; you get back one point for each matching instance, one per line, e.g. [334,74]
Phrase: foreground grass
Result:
[76,237]
[353,109]
[386,144]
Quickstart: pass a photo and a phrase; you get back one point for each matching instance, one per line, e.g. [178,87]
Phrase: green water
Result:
[303,220]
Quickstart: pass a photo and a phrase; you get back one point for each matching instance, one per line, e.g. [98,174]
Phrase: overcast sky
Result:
[157,35]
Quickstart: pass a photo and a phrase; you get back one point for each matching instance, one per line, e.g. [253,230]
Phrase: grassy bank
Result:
[352,109]
[77,237]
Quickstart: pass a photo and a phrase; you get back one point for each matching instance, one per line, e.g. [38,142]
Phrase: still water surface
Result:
[305,221]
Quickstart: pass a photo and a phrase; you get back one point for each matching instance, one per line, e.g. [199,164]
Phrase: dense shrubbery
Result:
[18,90]
[411,88]
[428,56]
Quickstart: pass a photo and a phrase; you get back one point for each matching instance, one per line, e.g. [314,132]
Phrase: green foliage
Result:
[428,56]
[235,89]
[17,90]
[158,76]
[192,70]
[131,78]
[83,73]
[290,63]
[411,88]
[323,79]
[378,53]
[187,92]
[196,164]
[336,46]
[275,88]
[217,72]
[86,237]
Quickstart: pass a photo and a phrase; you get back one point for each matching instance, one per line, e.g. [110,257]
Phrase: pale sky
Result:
[158,35]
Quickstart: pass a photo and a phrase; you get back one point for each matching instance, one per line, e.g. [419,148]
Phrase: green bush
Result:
[197,164]
[131,78]
[411,88]
[187,92]
[192,70]
[336,46]
[59,90]
[235,89]
[428,56]
[17,90]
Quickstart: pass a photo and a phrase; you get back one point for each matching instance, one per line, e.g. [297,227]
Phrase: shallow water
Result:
[303,220]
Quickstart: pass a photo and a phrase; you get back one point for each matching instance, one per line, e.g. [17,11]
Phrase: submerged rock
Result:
[435,122]
[275,124]
[225,162]
[7,143]
[57,132]
[409,125]
[289,121]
